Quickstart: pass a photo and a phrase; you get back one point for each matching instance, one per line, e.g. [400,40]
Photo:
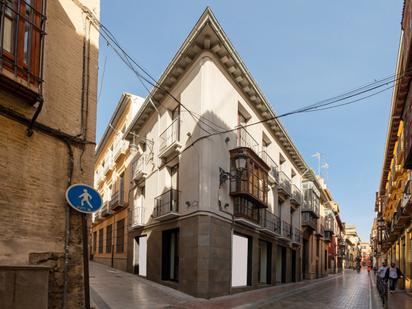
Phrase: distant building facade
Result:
[113,181]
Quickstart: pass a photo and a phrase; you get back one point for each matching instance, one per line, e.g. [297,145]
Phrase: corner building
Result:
[213,214]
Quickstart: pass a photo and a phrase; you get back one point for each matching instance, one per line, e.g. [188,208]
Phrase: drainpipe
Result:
[157,145]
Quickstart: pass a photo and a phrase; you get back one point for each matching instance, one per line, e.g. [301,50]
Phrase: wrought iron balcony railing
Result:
[311,206]
[286,230]
[270,221]
[285,183]
[245,139]
[117,200]
[170,135]
[166,203]
[296,197]
[309,221]
[140,166]
[273,167]
[138,216]
[297,236]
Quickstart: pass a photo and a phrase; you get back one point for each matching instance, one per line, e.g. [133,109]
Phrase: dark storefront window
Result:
[94,242]
[170,255]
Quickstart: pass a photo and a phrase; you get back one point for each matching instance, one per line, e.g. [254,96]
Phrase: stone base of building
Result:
[118,263]
[205,255]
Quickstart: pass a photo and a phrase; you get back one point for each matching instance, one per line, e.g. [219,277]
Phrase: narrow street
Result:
[115,289]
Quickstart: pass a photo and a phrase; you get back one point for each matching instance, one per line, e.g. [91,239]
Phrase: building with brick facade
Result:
[112,180]
[48,89]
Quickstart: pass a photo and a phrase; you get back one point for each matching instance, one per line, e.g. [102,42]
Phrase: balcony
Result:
[406,200]
[401,218]
[166,205]
[97,217]
[309,221]
[246,212]
[120,149]
[137,217]
[321,231]
[297,236]
[140,167]
[269,222]
[117,201]
[245,139]
[250,182]
[108,165]
[285,186]
[286,230]
[341,242]
[329,224]
[311,207]
[273,168]
[169,140]
[296,198]
[106,211]
[327,236]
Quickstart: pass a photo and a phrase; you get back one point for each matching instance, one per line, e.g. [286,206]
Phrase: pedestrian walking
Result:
[392,274]
[381,282]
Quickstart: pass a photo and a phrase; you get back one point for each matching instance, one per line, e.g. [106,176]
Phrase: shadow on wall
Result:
[34,176]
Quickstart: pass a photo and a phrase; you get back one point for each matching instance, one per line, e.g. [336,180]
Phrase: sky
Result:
[299,52]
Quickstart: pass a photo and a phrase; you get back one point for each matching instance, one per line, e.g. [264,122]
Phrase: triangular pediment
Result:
[208,35]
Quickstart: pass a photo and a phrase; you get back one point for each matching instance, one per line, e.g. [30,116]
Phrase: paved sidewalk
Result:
[400,300]
[115,289]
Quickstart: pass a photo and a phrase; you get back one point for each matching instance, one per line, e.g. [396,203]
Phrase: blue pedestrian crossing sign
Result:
[83,198]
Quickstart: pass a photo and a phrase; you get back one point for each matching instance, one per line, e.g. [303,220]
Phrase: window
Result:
[170,255]
[94,242]
[109,239]
[101,241]
[120,236]
[22,34]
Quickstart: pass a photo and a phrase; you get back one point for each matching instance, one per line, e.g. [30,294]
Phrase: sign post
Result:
[86,200]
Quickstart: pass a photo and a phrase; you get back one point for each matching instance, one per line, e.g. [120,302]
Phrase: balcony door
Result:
[176,124]
[121,187]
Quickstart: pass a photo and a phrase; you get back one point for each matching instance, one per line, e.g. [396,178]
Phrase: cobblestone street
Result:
[115,289]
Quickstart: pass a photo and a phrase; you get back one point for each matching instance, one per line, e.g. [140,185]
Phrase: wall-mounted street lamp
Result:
[240,164]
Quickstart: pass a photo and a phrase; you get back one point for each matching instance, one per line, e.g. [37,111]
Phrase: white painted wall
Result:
[239,260]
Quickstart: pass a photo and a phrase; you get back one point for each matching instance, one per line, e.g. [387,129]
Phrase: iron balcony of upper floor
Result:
[309,221]
[286,231]
[270,223]
[120,148]
[137,219]
[285,186]
[166,205]
[140,167]
[296,236]
[105,211]
[273,168]
[169,140]
[117,202]
[311,207]
[296,197]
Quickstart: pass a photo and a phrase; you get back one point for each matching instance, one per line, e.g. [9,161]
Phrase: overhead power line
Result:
[145,77]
